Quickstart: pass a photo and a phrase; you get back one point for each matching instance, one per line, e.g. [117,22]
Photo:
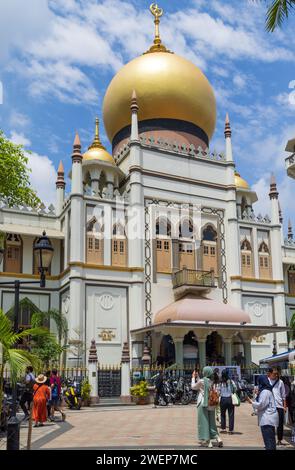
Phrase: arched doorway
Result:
[190,350]
[214,349]
[167,351]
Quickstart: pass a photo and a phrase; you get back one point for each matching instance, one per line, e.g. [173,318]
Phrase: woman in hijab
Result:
[207,430]
[265,406]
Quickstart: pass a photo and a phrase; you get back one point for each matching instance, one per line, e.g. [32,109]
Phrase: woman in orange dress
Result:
[41,395]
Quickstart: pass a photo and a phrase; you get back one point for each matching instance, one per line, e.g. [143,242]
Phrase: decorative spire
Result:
[157,12]
[273,192]
[92,352]
[77,156]
[134,105]
[125,353]
[227,129]
[290,231]
[60,182]
[96,144]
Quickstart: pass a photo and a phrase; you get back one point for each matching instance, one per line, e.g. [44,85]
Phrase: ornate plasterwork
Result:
[148,249]
[259,339]
[258,309]
[66,304]
[107,335]
[106,301]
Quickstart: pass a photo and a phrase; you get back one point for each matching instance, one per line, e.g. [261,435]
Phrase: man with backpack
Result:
[55,386]
[27,396]
[278,390]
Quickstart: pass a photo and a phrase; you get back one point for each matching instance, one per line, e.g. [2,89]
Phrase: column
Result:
[92,372]
[178,342]
[202,352]
[146,362]
[247,353]
[125,374]
[228,351]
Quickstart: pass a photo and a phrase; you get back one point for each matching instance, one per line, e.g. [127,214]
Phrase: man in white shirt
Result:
[279,393]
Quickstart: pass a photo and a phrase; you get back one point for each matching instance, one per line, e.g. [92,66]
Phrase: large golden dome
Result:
[167,86]
[240,183]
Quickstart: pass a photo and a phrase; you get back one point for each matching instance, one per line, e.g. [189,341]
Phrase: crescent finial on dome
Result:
[157,12]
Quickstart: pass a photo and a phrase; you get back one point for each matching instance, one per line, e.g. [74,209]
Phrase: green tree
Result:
[277,13]
[14,180]
[15,359]
[292,326]
[48,348]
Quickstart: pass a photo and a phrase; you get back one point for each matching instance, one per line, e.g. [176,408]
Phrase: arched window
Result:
[94,242]
[186,245]
[209,249]
[163,245]
[119,246]
[246,258]
[264,261]
[13,253]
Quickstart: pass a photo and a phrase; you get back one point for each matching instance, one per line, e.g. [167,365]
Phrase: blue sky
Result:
[59,56]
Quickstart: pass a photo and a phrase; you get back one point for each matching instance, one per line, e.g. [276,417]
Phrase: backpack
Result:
[213,397]
[54,391]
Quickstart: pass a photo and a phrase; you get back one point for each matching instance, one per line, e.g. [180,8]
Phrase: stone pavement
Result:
[141,427]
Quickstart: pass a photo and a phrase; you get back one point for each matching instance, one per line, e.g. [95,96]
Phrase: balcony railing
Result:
[192,277]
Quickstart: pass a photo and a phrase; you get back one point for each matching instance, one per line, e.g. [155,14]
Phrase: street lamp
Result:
[44,251]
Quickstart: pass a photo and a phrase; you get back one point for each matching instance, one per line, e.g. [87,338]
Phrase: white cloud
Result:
[19,139]
[42,177]
[19,119]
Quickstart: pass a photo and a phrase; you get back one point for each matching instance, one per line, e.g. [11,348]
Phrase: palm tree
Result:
[292,326]
[277,13]
[16,359]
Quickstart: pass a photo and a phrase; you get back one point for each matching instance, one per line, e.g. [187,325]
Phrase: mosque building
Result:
[157,249]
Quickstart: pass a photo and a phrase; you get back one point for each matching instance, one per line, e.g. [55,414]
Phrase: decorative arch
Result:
[119,245]
[186,245]
[13,253]
[163,245]
[94,242]
[214,349]
[167,351]
[291,279]
[209,248]
[243,206]
[265,271]
[246,258]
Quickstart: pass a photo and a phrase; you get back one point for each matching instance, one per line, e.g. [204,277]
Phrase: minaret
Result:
[290,231]
[274,198]
[228,144]
[77,180]
[134,137]
[60,188]
[77,239]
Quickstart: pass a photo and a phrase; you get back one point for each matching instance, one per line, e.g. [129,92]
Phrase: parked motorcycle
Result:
[244,390]
[72,394]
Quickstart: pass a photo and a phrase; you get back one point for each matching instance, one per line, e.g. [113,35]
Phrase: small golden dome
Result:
[97,151]
[240,182]
[167,87]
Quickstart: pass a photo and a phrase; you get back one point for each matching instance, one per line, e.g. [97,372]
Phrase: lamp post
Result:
[44,251]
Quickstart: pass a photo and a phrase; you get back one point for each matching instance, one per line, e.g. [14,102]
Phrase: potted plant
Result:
[140,392]
[85,392]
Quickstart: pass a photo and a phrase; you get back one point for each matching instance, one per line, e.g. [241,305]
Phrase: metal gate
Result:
[109,381]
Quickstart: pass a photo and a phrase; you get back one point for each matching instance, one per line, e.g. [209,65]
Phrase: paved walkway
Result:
[140,427]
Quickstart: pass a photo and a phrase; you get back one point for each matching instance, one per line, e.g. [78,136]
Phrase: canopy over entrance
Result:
[196,309]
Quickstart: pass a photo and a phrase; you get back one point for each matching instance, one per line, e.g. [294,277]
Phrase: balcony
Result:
[191,281]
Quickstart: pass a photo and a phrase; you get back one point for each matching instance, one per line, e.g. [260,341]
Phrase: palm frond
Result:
[6,331]
[17,360]
[277,13]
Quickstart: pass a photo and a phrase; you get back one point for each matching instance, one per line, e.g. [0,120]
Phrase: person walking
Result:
[226,388]
[27,396]
[216,382]
[48,405]
[160,392]
[279,392]
[41,394]
[55,386]
[265,406]
[207,430]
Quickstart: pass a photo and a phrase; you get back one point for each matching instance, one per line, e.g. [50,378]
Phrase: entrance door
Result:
[109,382]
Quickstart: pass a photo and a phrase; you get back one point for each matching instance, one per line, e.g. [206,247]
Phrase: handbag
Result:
[235,399]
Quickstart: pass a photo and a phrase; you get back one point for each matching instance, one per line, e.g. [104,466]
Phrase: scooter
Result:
[72,395]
